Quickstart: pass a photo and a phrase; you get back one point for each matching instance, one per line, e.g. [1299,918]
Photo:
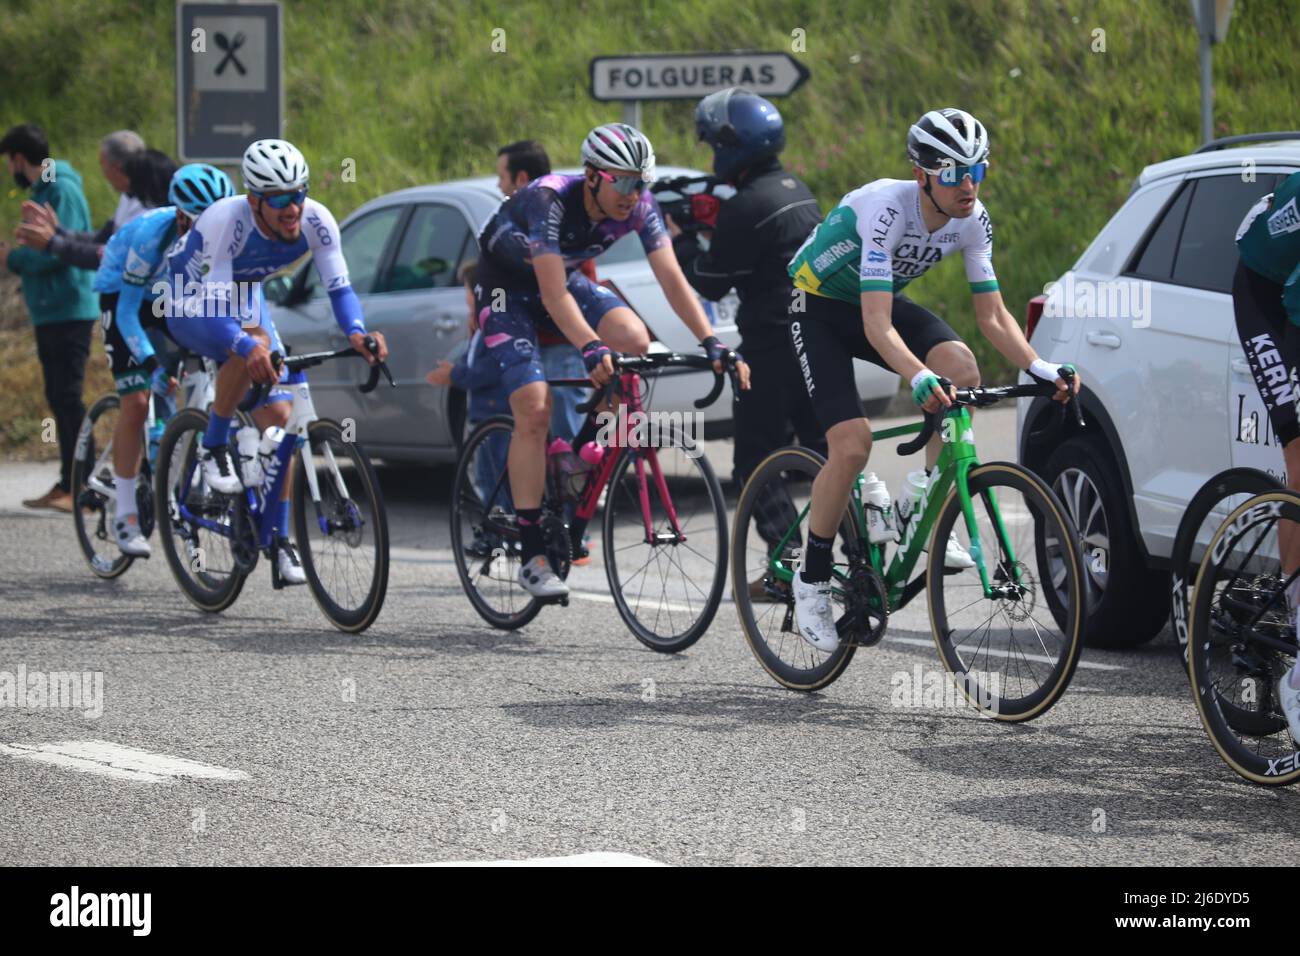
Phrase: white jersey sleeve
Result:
[880,222]
[322,232]
[977,250]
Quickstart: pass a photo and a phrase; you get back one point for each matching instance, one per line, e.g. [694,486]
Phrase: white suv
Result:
[1146,316]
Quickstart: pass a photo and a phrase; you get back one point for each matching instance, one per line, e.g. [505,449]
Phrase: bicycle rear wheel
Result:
[485,531]
[1216,499]
[666,577]
[1012,653]
[1242,640]
[343,537]
[92,490]
[770,505]
[201,559]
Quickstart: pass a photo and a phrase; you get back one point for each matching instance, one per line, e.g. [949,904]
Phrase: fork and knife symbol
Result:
[230,45]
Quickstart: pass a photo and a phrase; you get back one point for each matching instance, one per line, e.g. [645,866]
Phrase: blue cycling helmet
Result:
[197,186]
[742,127]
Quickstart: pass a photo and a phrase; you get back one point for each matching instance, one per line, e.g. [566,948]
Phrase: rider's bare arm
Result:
[678,292]
[559,304]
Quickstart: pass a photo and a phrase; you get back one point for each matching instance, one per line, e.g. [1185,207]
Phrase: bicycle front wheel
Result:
[1012,646]
[93,491]
[1242,640]
[341,527]
[665,536]
[771,506]
[195,524]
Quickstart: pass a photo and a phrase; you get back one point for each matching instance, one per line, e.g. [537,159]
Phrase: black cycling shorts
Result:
[1272,346]
[828,336]
[128,374]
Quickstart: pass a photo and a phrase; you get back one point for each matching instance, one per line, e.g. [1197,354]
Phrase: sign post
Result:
[679,76]
[229,81]
[1212,18]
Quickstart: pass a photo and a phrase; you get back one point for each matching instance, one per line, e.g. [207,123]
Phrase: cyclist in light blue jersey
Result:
[134,258]
[217,309]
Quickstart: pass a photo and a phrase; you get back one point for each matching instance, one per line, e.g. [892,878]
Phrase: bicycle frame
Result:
[631,388]
[301,415]
[956,458]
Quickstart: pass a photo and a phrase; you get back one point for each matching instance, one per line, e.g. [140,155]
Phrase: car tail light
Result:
[1033,312]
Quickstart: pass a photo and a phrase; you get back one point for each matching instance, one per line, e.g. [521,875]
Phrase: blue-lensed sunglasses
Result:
[284,200]
[952,175]
[623,185]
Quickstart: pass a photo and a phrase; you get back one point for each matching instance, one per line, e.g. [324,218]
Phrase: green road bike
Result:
[1009,630]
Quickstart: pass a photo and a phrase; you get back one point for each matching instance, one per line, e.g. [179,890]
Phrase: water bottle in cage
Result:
[571,469]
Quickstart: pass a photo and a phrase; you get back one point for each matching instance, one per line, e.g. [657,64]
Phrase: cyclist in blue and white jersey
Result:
[222,314]
[134,258]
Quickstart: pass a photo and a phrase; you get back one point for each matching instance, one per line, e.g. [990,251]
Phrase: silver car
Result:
[403,251]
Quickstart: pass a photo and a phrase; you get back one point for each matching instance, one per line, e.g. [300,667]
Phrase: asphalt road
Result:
[262,735]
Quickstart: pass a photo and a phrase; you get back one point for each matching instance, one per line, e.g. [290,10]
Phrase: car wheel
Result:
[1127,602]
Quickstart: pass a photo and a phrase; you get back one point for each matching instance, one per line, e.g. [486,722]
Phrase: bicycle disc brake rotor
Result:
[867,606]
[1020,606]
[346,522]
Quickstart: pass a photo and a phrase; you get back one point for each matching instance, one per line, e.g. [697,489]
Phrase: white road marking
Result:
[581,859]
[1040,658]
[118,762]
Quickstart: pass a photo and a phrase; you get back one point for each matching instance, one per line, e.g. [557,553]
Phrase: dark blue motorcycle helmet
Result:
[742,128]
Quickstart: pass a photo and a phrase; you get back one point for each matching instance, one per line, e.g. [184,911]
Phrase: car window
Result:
[625,249]
[364,242]
[430,250]
[1156,258]
[1207,250]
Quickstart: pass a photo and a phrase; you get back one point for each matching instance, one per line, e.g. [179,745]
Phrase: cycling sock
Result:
[218,431]
[530,533]
[817,559]
[282,519]
[125,504]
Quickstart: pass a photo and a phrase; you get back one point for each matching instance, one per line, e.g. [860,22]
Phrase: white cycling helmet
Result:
[947,137]
[274,164]
[619,147]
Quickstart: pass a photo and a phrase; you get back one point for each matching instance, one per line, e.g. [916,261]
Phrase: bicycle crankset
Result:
[243,538]
[555,532]
[866,608]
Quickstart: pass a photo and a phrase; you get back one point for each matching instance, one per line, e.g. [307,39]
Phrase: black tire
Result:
[489,580]
[773,645]
[1127,603]
[209,590]
[1234,483]
[1055,548]
[92,512]
[348,519]
[1230,601]
[658,627]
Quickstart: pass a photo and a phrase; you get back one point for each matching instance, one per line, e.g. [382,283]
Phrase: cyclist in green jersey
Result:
[1266,300]
[854,266]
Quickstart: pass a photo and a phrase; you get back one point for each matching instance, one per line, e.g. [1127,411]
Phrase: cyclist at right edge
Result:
[879,238]
[1266,300]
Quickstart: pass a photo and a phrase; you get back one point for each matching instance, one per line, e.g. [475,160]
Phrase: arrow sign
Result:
[673,76]
[240,129]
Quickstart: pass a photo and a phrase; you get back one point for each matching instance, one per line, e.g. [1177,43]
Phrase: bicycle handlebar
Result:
[981,397]
[311,359]
[658,360]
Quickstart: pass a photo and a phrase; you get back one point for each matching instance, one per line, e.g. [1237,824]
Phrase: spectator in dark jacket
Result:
[59,298]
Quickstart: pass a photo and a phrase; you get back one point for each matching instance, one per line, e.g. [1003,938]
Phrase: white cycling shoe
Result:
[287,563]
[954,555]
[130,541]
[537,578]
[814,613]
[1290,700]
[218,472]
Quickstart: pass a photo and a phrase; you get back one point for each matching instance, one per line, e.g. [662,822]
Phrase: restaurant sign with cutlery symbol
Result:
[229,86]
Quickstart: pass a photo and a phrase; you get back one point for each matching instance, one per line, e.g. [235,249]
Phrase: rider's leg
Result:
[527,460]
[127,433]
[955,362]
[623,331]
[233,382]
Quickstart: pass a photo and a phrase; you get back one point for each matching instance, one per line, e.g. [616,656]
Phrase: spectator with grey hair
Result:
[133,171]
